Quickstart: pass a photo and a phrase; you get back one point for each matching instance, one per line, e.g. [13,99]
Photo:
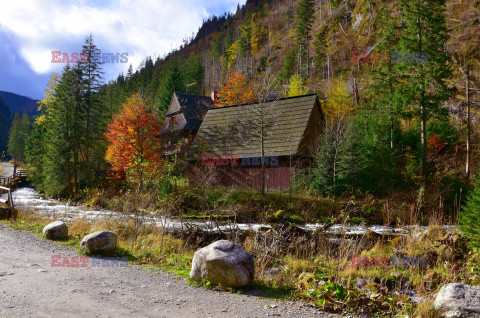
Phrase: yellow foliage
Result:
[295,87]
[46,103]
[232,53]
[339,103]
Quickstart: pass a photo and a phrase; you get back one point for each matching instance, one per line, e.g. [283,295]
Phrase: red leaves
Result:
[436,143]
[132,139]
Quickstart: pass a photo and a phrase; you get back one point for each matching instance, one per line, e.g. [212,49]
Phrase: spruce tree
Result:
[193,72]
[19,132]
[95,121]
[423,63]
[384,88]
[64,135]
[173,82]
[305,16]
[320,45]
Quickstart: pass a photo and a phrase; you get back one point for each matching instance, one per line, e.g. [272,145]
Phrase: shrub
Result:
[469,221]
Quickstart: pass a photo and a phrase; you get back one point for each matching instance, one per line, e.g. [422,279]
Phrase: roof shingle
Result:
[235,130]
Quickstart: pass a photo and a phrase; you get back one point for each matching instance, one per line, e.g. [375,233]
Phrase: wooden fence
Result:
[5,181]
[8,201]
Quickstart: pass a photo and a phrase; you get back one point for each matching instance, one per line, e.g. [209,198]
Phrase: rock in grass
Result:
[101,241]
[57,230]
[223,262]
[459,300]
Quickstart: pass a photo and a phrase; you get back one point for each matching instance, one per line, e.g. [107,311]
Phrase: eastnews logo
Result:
[393,261]
[77,57]
[84,261]
[210,159]
[396,57]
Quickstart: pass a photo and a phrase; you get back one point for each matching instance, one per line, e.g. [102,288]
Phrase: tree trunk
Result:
[467,165]
[423,134]
[263,156]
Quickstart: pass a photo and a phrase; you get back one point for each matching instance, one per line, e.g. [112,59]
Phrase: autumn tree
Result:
[133,145]
[339,104]
[236,90]
[45,105]
[296,87]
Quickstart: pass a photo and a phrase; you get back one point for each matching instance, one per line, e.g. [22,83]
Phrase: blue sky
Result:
[31,29]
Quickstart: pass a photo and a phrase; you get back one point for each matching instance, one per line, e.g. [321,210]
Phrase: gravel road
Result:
[31,287]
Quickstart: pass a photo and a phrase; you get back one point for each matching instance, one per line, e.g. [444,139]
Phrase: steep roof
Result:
[193,108]
[235,130]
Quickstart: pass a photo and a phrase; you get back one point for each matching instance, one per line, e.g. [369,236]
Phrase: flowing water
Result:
[29,199]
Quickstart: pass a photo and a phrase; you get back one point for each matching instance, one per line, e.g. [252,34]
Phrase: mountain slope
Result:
[19,103]
[4,126]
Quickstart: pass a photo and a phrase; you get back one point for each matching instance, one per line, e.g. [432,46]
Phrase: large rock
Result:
[56,231]
[101,241]
[459,300]
[223,262]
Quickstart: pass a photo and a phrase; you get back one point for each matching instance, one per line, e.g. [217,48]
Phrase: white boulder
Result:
[57,230]
[223,262]
[459,301]
[100,241]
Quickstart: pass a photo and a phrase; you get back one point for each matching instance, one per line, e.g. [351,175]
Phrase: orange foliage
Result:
[133,145]
[236,91]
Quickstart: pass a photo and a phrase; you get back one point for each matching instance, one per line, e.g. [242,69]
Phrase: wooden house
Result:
[182,121]
[232,141]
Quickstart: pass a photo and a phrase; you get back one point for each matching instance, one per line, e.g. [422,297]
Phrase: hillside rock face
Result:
[100,241]
[56,231]
[223,262]
[459,301]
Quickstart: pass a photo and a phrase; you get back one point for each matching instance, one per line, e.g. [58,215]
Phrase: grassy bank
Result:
[251,206]
[328,275]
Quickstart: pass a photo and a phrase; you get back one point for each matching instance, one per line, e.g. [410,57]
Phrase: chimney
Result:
[214,96]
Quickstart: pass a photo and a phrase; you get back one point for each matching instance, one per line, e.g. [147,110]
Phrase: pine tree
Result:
[94,113]
[19,132]
[173,82]
[423,63]
[193,71]
[384,90]
[35,150]
[288,65]
[63,136]
[320,45]
[305,16]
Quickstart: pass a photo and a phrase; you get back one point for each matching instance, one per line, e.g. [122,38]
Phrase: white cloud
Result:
[139,27]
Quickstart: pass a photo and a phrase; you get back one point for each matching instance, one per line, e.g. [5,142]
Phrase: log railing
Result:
[8,201]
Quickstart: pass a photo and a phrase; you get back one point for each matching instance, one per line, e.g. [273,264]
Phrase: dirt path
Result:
[31,287]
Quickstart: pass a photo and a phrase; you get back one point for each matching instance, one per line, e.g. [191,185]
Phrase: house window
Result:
[173,121]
